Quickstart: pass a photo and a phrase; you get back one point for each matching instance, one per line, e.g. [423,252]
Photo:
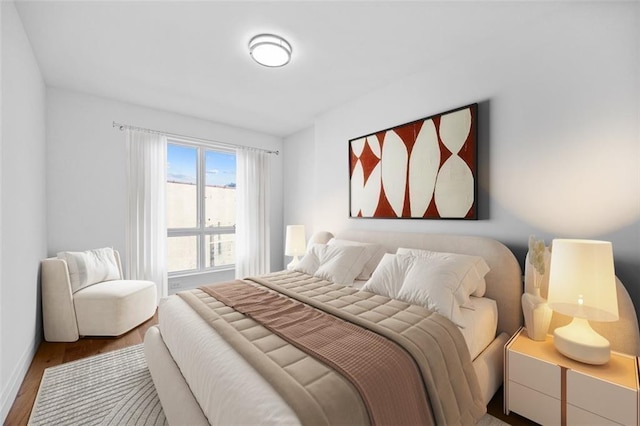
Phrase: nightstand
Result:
[544,386]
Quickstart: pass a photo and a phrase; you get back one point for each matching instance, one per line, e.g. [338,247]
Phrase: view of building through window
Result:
[201,207]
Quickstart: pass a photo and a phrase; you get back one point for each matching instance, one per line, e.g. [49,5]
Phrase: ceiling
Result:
[192,57]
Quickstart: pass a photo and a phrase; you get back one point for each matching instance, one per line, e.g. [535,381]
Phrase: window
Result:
[201,207]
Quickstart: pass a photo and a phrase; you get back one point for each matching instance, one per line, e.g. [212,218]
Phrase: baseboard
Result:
[10,390]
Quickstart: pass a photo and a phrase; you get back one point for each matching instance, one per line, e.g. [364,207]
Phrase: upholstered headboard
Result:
[504,281]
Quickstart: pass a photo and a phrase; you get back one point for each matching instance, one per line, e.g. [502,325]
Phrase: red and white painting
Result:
[424,169]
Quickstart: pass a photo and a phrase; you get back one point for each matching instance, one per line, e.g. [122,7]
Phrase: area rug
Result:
[113,388]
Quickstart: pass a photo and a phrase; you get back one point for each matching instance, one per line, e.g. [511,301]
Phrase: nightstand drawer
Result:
[578,416]
[602,398]
[534,405]
[534,373]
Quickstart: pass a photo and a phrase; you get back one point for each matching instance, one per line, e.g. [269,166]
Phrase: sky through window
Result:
[182,160]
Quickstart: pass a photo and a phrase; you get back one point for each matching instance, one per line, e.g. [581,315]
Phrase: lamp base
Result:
[580,342]
[293,263]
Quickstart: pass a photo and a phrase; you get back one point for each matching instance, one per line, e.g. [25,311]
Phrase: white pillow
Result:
[339,264]
[374,253]
[429,282]
[388,277]
[432,283]
[310,262]
[475,268]
[90,267]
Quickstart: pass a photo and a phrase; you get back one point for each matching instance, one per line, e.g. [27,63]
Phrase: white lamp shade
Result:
[295,243]
[582,281]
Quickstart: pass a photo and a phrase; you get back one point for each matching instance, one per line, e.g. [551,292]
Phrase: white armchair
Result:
[106,308]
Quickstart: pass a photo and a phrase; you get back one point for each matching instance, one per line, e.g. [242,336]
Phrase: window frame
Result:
[201,231]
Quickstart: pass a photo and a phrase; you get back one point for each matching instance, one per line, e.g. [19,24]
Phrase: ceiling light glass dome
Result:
[270,50]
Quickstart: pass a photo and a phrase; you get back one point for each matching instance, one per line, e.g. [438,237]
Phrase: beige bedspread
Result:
[384,374]
[436,345]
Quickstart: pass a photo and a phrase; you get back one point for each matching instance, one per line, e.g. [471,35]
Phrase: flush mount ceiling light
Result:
[270,50]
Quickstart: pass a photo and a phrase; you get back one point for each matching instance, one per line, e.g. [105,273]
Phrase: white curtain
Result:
[146,229]
[252,217]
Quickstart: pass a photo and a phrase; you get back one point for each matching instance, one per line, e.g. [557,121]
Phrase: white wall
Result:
[558,135]
[299,167]
[23,200]
[86,179]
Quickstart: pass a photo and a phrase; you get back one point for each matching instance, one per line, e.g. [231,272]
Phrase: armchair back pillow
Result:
[90,267]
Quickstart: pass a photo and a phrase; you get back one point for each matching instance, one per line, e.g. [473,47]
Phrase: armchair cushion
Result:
[90,267]
[111,308]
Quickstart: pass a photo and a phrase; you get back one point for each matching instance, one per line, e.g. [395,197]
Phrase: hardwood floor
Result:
[51,354]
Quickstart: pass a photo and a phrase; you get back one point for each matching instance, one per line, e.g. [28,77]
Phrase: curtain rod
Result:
[122,127]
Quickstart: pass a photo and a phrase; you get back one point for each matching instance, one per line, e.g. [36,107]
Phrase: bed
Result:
[201,379]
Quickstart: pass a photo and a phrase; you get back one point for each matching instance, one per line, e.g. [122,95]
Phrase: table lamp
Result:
[582,285]
[295,244]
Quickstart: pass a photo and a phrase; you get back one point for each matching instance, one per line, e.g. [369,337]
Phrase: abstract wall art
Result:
[426,169]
